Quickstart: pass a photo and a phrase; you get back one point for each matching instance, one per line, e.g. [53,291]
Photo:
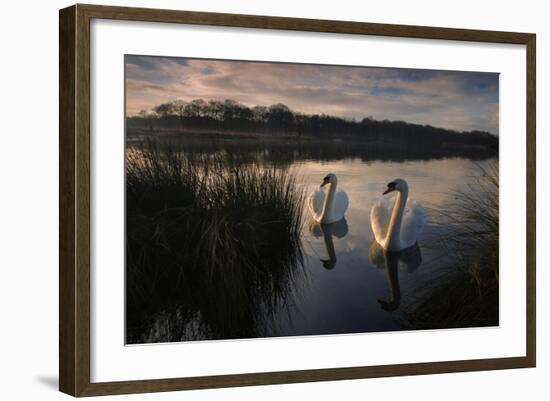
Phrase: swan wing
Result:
[315,202]
[413,221]
[380,215]
[341,204]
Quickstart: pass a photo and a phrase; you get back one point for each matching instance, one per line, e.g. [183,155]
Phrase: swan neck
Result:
[393,239]
[327,204]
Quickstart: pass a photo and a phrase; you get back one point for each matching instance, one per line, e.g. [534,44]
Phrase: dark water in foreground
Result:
[348,285]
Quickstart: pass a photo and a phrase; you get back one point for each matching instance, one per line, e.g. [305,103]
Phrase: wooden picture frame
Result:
[74,205]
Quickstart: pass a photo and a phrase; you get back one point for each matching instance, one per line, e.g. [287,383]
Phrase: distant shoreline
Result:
[327,147]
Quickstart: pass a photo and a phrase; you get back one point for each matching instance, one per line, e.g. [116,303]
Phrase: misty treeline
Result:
[229,115]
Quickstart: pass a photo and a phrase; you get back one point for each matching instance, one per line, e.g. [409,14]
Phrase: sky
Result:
[462,101]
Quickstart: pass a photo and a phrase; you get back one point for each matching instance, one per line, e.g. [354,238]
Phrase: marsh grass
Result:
[465,294]
[212,241]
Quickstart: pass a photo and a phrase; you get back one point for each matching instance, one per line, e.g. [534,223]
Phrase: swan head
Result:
[398,184]
[329,179]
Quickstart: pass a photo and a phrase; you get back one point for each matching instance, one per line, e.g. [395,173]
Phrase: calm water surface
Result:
[344,290]
[348,285]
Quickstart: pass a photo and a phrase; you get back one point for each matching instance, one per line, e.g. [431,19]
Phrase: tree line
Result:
[229,115]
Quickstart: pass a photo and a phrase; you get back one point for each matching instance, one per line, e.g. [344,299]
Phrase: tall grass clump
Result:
[212,242]
[466,294]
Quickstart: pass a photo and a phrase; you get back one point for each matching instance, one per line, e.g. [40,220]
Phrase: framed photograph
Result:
[250,200]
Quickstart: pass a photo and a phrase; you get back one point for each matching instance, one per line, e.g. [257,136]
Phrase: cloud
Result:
[450,99]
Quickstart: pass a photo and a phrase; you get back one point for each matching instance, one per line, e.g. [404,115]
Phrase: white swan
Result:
[397,228]
[330,207]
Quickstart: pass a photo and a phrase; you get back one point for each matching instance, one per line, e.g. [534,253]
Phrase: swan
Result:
[397,229]
[330,207]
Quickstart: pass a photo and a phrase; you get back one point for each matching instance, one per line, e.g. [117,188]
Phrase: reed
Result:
[465,294]
[212,240]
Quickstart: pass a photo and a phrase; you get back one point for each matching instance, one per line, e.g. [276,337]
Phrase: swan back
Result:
[335,209]
[340,206]
[413,221]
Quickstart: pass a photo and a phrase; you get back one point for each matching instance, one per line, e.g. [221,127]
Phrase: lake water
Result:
[345,297]
[348,285]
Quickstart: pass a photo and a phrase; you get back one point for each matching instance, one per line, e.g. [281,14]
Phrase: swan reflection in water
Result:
[408,260]
[338,229]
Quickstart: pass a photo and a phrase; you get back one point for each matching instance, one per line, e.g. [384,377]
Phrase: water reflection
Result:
[409,260]
[287,153]
[296,289]
[338,229]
